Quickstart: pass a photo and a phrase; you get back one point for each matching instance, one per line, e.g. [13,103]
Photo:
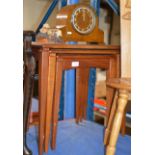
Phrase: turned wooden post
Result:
[110,121]
[122,86]
[122,102]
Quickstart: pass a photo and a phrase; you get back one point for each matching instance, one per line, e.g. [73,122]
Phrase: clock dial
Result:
[83,20]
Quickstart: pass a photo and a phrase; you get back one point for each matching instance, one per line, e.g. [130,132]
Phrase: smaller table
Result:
[53,60]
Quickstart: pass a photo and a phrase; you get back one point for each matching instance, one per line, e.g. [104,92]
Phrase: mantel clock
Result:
[79,22]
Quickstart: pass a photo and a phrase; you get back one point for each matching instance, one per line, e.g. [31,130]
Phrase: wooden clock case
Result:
[63,22]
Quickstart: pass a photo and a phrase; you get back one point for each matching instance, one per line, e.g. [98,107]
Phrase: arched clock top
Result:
[79,22]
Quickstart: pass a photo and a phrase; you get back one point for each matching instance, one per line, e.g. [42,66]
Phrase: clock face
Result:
[83,20]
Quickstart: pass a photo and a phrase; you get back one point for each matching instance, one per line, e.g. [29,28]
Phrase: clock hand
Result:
[84,15]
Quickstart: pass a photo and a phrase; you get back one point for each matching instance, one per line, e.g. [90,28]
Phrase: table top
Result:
[119,83]
[78,48]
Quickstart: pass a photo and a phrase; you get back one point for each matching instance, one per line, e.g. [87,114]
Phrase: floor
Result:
[83,139]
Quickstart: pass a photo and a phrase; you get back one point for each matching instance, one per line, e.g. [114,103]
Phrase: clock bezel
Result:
[93,15]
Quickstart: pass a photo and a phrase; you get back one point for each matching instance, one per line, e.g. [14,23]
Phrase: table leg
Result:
[82,78]
[56,103]
[112,72]
[50,95]
[110,121]
[78,98]
[43,74]
[123,126]
[26,111]
[122,102]
[28,93]
[85,76]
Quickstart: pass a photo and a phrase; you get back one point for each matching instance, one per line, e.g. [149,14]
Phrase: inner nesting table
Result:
[53,59]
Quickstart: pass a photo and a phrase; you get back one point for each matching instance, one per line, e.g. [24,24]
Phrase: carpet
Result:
[85,138]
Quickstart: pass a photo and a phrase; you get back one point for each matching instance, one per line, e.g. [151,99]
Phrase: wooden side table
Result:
[53,60]
[123,89]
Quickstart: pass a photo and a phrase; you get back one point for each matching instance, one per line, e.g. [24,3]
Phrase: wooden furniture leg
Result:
[43,74]
[123,126]
[110,121]
[78,98]
[113,71]
[82,78]
[26,111]
[29,63]
[122,102]
[50,95]
[85,80]
[55,111]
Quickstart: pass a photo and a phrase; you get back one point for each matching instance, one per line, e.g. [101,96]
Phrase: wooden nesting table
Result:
[53,59]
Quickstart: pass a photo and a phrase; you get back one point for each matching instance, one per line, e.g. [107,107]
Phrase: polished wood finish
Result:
[110,74]
[64,23]
[56,103]
[27,97]
[43,77]
[50,95]
[28,72]
[119,83]
[82,79]
[85,62]
[78,49]
[123,86]
[123,126]
[64,55]
[110,121]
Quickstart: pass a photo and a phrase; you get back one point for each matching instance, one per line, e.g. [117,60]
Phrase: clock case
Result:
[64,23]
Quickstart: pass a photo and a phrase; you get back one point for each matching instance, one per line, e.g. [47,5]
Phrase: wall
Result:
[115,34]
[34,11]
[103,25]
